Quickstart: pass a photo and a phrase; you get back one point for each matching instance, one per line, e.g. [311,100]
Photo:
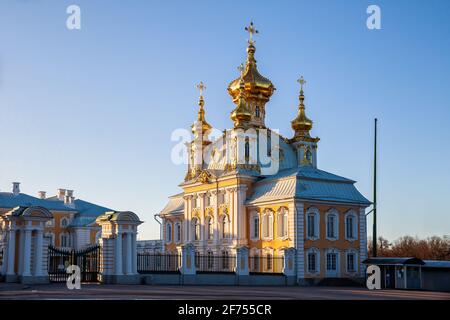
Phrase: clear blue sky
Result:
[93,109]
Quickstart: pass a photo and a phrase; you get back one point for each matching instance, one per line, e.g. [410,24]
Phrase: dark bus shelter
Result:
[412,273]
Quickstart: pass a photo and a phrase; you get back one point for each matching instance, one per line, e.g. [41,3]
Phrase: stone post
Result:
[242,261]
[289,269]
[188,259]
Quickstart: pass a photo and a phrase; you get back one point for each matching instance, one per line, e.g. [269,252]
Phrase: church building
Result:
[258,189]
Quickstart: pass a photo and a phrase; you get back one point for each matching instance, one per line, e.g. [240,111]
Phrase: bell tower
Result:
[305,145]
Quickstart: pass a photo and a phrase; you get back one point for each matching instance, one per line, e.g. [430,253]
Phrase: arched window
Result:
[255,226]
[196,229]
[312,223]
[257,112]
[178,232]
[51,238]
[269,261]
[210,260]
[268,224]
[225,226]
[247,149]
[209,228]
[332,221]
[351,232]
[64,222]
[282,223]
[168,232]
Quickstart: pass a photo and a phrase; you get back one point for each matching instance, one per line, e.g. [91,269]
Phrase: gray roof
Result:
[306,183]
[437,263]
[174,206]
[394,261]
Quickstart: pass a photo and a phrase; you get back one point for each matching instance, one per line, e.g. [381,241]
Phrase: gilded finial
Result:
[251,30]
[302,81]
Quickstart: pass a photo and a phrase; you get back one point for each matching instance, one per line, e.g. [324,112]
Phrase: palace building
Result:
[230,199]
[72,225]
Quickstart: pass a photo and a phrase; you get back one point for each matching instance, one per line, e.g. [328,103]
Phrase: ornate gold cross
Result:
[201,87]
[251,30]
[302,82]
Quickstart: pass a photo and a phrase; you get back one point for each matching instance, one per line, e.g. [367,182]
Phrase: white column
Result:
[27,254]
[21,250]
[118,254]
[11,252]
[38,253]
[241,214]
[129,250]
[134,254]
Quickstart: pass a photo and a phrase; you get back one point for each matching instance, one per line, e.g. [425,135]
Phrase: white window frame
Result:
[267,224]
[355,261]
[209,228]
[282,223]
[338,256]
[61,222]
[169,232]
[195,227]
[332,212]
[178,237]
[351,213]
[68,241]
[317,262]
[316,213]
[255,216]
[225,227]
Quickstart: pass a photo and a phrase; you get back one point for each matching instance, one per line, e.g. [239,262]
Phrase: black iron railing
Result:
[265,264]
[215,263]
[154,262]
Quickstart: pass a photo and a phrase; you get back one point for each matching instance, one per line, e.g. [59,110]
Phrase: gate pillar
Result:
[118,252]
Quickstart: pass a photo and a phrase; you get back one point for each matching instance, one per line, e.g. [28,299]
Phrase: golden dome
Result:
[241,114]
[254,83]
[301,124]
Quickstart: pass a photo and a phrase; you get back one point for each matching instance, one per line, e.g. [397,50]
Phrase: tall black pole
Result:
[374,241]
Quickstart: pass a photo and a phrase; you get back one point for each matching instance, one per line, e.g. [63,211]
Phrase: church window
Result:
[169,232]
[268,224]
[210,228]
[65,240]
[351,267]
[64,222]
[255,227]
[282,223]
[269,143]
[332,224]
[247,149]
[196,229]
[331,261]
[178,232]
[312,223]
[350,226]
[257,112]
[225,226]
[312,262]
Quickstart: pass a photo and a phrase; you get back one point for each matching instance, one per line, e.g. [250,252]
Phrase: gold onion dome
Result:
[241,114]
[301,124]
[254,83]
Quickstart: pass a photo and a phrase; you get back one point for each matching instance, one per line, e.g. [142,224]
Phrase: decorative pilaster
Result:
[26,272]
[38,253]
[362,241]
[11,252]
[299,241]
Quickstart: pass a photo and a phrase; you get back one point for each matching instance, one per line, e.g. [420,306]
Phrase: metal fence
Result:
[265,264]
[215,263]
[155,262]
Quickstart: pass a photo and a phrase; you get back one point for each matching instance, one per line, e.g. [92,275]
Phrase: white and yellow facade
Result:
[228,199]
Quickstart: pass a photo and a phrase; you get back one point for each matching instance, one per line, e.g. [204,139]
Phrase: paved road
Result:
[112,292]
